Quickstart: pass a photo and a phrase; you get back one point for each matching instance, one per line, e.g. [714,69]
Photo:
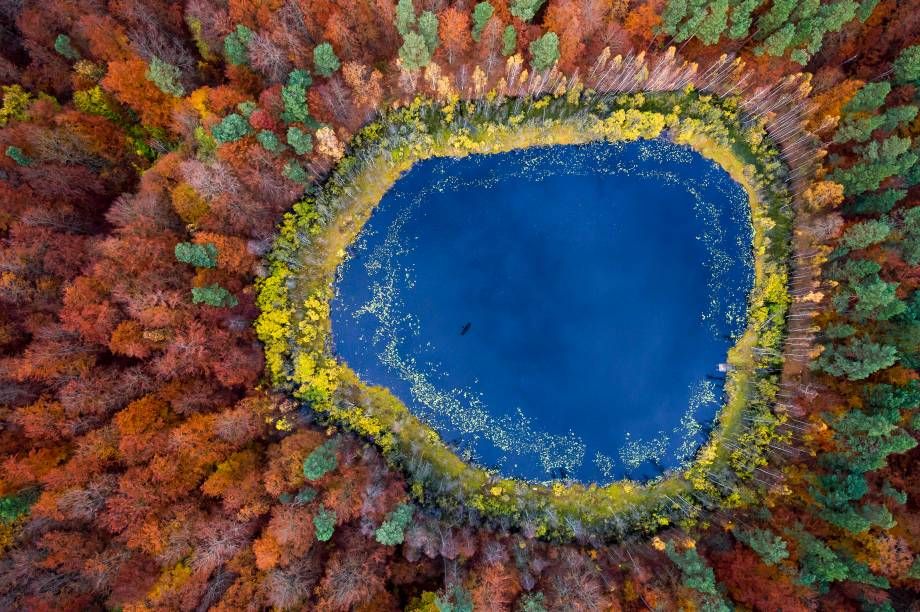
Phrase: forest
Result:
[178,179]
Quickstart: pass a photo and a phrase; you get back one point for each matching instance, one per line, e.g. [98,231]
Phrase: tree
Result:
[325,59]
[741,18]
[428,27]
[405,16]
[321,461]
[213,295]
[165,76]
[231,128]
[509,41]
[301,141]
[295,171]
[878,202]
[481,15]
[907,67]
[697,575]
[414,52]
[392,530]
[818,564]
[715,22]
[525,9]
[775,18]
[769,547]
[544,51]
[294,97]
[269,141]
[777,42]
[864,234]
[869,97]
[63,46]
[198,255]
[236,45]
[18,156]
[857,359]
[324,522]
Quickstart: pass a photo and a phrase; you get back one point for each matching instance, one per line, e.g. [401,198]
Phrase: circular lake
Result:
[554,311]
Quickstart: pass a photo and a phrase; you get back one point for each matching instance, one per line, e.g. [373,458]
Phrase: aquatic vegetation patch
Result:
[295,325]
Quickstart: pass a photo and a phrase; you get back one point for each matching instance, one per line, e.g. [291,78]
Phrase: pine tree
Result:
[236,45]
[325,59]
[63,46]
[414,52]
[405,16]
[769,547]
[509,41]
[525,9]
[907,67]
[321,461]
[544,51]
[302,142]
[231,128]
[214,295]
[198,255]
[857,359]
[869,97]
[165,76]
[392,530]
[428,28]
[481,15]
[324,522]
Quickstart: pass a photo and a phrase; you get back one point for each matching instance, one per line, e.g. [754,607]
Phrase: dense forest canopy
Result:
[162,163]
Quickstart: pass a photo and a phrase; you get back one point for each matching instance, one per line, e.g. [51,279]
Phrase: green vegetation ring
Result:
[295,326]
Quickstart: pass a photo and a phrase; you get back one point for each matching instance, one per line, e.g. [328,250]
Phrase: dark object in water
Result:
[465,329]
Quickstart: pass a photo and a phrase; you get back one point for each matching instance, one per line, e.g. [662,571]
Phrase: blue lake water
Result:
[554,311]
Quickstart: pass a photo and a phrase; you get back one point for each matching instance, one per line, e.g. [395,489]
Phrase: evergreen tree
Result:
[18,156]
[428,28]
[907,67]
[324,523]
[819,565]
[294,97]
[231,128]
[269,141]
[392,530]
[302,142]
[414,52]
[214,295]
[698,576]
[544,51]
[856,360]
[165,76]
[295,171]
[481,15]
[405,16]
[869,97]
[509,41]
[198,255]
[878,202]
[63,46]
[236,45]
[776,43]
[525,9]
[741,18]
[864,234]
[769,547]
[321,461]
[325,59]
[711,28]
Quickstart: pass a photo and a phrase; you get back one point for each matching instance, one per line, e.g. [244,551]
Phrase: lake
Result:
[554,311]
